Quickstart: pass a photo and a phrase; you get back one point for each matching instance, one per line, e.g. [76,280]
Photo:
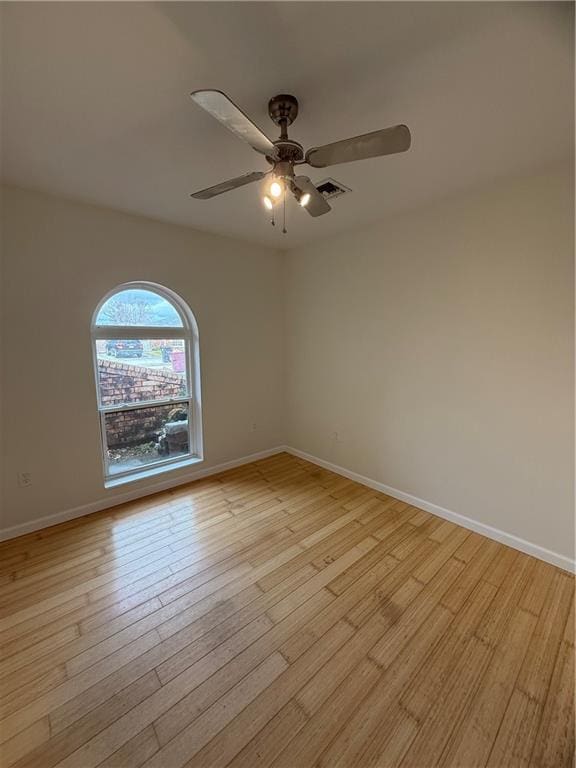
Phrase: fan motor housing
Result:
[288,151]
[283,108]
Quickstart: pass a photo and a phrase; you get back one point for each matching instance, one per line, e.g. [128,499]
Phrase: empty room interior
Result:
[287,384]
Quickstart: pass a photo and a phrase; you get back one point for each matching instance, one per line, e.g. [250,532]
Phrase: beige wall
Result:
[60,258]
[439,346]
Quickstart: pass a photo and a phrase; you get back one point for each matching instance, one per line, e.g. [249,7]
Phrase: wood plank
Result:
[135,752]
[354,734]
[420,693]
[536,672]
[16,747]
[185,647]
[273,739]
[516,736]
[270,702]
[62,744]
[171,721]
[554,743]
[310,741]
[472,742]
[191,739]
[451,701]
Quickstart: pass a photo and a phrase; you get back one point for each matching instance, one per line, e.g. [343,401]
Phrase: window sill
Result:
[114,482]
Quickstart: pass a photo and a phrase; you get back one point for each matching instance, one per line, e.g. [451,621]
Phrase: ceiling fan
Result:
[284,153]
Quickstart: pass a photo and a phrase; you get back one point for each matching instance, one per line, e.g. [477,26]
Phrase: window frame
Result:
[188,332]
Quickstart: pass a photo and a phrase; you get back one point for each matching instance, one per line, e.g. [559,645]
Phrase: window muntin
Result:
[147,381]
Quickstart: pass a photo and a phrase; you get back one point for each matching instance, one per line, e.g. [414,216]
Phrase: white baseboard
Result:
[137,493]
[509,539]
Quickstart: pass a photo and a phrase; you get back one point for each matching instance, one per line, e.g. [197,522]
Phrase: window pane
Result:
[133,370]
[146,435]
[138,307]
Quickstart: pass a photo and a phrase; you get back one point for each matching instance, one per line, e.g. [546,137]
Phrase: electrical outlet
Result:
[24,479]
[253,427]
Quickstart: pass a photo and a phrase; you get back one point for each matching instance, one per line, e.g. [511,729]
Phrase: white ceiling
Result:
[95,101]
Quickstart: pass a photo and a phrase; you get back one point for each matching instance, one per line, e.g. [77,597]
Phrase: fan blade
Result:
[226,186]
[317,205]
[388,141]
[224,110]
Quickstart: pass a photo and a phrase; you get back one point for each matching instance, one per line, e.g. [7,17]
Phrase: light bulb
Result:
[305,199]
[268,203]
[275,189]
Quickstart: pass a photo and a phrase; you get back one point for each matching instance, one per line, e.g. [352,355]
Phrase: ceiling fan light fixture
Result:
[304,199]
[276,188]
[267,202]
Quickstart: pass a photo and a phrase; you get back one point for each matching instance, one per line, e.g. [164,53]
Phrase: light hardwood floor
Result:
[280,615]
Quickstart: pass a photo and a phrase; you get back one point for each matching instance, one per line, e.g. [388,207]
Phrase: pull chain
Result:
[284,213]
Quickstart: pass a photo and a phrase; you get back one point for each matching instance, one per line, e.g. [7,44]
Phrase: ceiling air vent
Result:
[330,188]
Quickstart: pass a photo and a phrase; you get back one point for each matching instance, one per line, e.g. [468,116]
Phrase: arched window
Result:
[146,360]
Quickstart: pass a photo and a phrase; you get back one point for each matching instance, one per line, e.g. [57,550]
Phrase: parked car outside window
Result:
[124,348]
